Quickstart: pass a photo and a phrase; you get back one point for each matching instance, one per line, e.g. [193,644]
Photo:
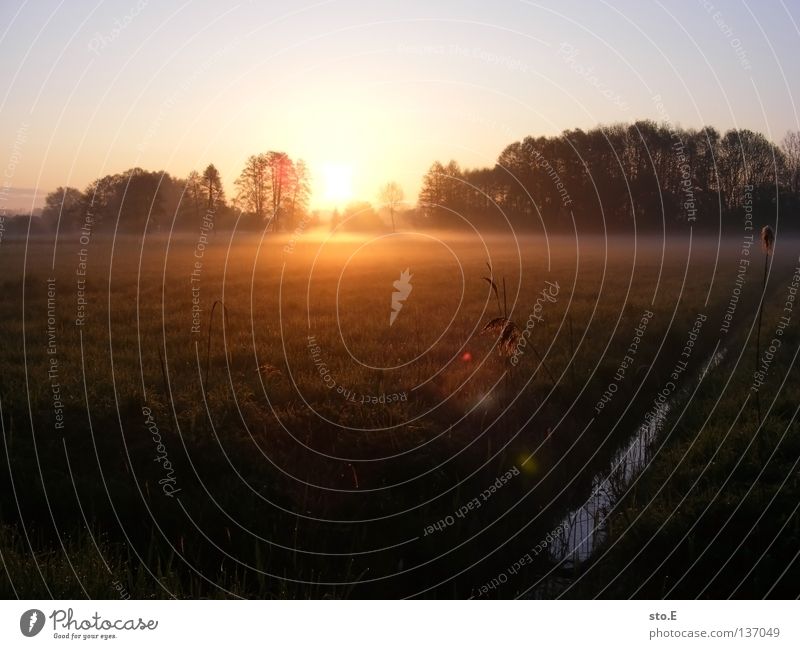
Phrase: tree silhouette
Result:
[253,186]
[212,188]
[280,177]
[391,195]
[193,193]
[791,151]
[299,190]
[63,208]
[655,176]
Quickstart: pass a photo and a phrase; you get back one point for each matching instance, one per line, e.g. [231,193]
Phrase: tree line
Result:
[655,175]
[272,191]
[606,177]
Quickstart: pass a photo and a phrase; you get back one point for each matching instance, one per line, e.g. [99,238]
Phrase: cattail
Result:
[767,239]
[767,244]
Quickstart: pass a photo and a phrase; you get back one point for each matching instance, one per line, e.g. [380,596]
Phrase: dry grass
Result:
[273,463]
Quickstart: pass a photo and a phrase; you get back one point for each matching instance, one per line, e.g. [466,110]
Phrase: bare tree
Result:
[253,186]
[791,151]
[212,188]
[280,176]
[193,190]
[391,195]
[299,189]
[431,196]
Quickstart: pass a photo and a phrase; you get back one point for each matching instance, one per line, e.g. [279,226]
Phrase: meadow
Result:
[236,416]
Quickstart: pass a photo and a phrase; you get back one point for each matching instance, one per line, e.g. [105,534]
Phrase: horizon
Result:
[25,200]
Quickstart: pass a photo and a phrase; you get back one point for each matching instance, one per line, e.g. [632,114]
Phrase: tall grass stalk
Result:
[767,244]
[226,325]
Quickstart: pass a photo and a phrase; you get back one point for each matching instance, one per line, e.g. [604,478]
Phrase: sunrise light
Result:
[337,183]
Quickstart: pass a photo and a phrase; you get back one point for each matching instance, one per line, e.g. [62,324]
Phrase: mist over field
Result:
[248,401]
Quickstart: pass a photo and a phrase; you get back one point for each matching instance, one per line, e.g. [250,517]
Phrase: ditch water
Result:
[584,528]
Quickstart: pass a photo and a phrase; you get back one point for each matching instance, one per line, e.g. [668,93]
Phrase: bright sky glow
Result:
[384,87]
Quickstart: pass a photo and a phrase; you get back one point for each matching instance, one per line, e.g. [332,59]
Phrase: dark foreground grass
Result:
[256,478]
[715,512]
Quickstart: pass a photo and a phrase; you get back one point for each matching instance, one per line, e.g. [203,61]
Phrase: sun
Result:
[338,179]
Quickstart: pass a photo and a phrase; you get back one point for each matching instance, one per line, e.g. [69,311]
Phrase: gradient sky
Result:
[383,87]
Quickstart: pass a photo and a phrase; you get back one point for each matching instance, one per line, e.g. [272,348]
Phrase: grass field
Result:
[297,445]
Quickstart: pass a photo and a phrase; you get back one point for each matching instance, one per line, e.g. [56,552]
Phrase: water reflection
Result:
[584,528]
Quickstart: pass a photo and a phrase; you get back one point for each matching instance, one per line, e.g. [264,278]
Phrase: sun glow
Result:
[338,183]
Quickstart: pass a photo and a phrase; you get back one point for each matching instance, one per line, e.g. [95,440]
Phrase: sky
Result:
[367,92]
